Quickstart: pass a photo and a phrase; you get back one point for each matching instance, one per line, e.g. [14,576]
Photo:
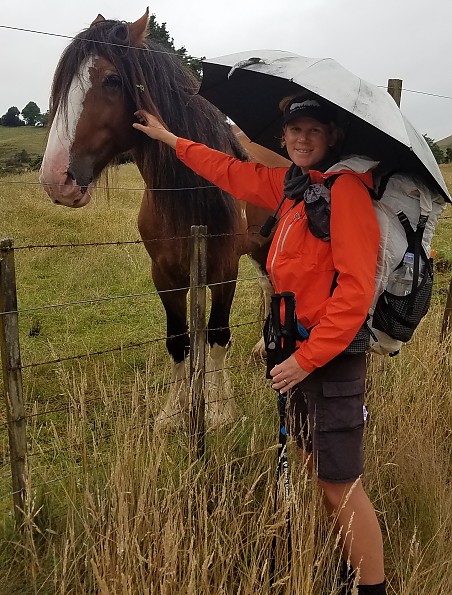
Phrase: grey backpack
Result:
[407,211]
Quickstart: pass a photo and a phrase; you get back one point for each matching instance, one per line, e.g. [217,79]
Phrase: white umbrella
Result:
[248,86]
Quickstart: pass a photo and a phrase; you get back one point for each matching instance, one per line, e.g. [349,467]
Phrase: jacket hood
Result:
[354,164]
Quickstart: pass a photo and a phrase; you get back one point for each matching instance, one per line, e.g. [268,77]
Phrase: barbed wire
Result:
[71,37]
[419,92]
[142,189]
[218,467]
[173,53]
[152,388]
[130,295]
[122,347]
[126,242]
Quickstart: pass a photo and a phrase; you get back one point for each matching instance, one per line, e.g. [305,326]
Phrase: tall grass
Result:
[117,509]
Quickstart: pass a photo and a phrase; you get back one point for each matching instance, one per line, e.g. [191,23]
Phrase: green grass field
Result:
[15,140]
[116,508]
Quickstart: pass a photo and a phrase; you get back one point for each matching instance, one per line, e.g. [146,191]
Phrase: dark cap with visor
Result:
[316,108]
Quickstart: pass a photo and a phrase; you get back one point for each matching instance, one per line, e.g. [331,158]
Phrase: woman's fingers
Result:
[282,385]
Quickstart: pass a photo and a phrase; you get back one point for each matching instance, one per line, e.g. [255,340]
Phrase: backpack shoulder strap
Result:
[382,184]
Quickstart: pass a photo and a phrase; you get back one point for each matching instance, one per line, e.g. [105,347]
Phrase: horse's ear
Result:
[139,29]
[98,19]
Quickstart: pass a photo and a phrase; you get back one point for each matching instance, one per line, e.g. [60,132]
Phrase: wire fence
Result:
[23,417]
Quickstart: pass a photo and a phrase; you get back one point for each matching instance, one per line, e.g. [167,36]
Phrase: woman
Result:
[333,281]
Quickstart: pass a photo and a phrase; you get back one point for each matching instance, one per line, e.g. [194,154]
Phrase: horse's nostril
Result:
[70,174]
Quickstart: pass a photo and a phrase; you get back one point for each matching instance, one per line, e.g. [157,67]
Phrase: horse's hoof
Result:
[170,421]
[218,417]
[258,352]
[219,403]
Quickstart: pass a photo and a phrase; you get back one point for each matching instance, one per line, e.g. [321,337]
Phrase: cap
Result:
[310,108]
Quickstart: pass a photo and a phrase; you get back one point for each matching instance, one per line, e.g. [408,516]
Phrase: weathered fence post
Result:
[12,377]
[447,316]
[395,90]
[198,291]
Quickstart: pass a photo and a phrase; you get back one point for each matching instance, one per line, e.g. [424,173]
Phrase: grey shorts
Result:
[326,415]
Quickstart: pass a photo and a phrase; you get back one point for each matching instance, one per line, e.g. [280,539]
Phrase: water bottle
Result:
[400,281]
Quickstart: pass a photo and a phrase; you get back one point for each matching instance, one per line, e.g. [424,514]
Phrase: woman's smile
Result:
[308,141]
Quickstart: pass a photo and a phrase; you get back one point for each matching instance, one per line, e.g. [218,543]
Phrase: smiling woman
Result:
[310,131]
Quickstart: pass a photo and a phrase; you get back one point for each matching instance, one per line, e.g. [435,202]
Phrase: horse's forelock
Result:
[104,38]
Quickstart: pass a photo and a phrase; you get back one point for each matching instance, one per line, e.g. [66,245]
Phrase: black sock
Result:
[379,589]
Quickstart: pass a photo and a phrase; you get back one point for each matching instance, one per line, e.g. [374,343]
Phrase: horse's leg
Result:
[258,258]
[175,410]
[219,397]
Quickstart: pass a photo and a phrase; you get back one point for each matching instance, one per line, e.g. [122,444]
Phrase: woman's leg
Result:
[355,518]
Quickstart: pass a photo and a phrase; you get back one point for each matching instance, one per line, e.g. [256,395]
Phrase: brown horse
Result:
[108,72]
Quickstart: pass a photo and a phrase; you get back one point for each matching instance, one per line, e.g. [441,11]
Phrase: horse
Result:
[108,72]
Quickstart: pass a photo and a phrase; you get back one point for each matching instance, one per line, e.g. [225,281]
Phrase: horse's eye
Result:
[112,81]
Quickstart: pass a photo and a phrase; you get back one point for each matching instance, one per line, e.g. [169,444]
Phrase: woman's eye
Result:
[112,81]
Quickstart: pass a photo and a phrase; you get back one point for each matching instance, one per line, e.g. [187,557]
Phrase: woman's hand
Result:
[153,128]
[287,374]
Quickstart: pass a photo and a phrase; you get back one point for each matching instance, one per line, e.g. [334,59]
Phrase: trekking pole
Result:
[281,344]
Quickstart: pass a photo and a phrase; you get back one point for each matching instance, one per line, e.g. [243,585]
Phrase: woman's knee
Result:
[337,494]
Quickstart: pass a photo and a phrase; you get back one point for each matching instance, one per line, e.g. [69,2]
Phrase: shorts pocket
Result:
[342,405]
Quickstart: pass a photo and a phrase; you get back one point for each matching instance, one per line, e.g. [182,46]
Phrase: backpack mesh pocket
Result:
[393,314]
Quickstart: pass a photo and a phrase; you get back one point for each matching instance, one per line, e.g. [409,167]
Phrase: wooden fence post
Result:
[12,377]
[198,291]
[395,90]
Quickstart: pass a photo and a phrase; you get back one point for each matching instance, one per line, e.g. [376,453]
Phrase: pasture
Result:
[15,140]
[117,509]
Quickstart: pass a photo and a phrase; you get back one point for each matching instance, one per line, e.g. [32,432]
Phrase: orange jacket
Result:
[298,261]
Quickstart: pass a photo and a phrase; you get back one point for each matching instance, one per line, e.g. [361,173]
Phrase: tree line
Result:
[441,156]
[31,116]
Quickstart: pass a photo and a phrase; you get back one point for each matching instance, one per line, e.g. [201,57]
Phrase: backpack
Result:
[407,211]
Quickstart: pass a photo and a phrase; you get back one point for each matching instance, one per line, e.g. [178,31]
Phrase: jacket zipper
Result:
[295,218]
[281,239]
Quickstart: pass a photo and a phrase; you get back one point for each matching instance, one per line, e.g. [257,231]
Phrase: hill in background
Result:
[21,148]
[445,142]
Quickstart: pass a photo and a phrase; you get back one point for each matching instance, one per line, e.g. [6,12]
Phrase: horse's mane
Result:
[157,81]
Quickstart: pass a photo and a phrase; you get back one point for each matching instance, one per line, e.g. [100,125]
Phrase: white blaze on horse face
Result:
[54,169]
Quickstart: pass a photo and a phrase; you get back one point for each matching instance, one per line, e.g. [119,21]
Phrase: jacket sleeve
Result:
[355,236]
[248,181]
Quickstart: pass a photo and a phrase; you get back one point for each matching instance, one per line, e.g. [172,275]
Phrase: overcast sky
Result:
[377,40]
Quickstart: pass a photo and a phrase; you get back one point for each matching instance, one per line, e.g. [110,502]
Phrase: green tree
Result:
[31,114]
[449,155]
[436,149]
[44,119]
[11,118]
[160,34]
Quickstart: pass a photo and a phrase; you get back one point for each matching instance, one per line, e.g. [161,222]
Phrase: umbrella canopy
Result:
[248,87]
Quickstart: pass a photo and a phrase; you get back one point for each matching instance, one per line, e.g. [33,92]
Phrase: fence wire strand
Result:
[126,296]
[150,50]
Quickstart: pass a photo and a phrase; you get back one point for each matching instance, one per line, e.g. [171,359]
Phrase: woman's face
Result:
[308,141]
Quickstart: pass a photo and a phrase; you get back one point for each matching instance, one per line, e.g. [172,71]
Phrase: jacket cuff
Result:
[302,361]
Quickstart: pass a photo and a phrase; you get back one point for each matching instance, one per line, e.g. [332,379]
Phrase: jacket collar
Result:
[357,165]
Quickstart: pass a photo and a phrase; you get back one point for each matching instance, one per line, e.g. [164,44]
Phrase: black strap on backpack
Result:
[384,179]
[414,238]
